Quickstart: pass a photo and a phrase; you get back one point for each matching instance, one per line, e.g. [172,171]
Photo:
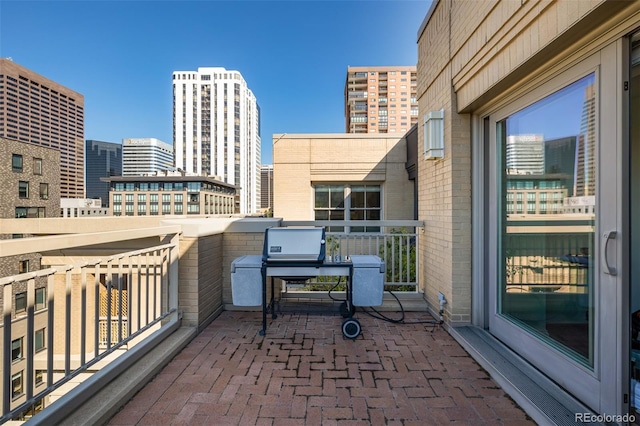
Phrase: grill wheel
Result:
[351,328]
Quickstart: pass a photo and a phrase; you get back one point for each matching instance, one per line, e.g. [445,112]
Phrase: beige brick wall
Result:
[301,160]
[210,270]
[201,278]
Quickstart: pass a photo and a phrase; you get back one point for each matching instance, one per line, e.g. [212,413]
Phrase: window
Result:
[17,388]
[142,198]
[23,189]
[330,204]
[30,212]
[39,377]
[16,350]
[44,191]
[39,340]
[23,266]
[365,205]
[37,166]
[41,298]
[21,302]
[16,162]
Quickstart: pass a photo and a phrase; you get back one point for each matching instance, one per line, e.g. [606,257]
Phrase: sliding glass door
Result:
[554,225]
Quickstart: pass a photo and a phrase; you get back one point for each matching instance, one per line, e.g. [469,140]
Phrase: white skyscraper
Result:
[525,154]
[145,156]
[216,130]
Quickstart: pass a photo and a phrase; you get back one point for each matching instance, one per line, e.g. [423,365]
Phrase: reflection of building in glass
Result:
[525,154]
[586,204]
[560,158]
[535,194]
[585,167]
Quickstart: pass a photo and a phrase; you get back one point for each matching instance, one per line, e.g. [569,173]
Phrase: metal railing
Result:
[81,314]
[396,243]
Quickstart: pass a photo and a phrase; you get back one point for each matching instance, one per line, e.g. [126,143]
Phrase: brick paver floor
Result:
[304,372]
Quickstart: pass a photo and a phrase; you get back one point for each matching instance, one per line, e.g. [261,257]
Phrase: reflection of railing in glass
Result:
[547,217]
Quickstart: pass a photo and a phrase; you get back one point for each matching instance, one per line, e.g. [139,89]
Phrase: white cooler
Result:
[368,280]
[246,281]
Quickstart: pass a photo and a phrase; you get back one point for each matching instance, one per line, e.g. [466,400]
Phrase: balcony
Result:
[143,305]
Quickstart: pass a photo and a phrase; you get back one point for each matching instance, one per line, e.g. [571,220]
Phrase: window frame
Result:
[43,340]
[40,293]
[17,391]
[23,266]
[23,189]
[18,307]
[37,166]
[15,159]
[44,191]
[348,208]
[19,356]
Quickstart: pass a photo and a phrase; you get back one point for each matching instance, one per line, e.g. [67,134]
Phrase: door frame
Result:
[609,365]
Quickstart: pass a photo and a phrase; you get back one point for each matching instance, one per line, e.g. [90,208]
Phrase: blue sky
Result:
[293,54]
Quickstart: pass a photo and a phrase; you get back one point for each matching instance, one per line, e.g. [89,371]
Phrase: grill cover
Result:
[304,244]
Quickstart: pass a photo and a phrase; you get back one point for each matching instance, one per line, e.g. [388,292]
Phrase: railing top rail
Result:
[382,223]
[64,268]
[55,242]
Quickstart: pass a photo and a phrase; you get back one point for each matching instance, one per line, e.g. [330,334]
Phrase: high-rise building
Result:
[525,154]
[102,159]
[266,187]
[145,156]
[380,99]
[37,110]
[586,150]
[216,130]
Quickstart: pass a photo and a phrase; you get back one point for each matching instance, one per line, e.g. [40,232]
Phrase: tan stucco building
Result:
[326,176]
[557,287]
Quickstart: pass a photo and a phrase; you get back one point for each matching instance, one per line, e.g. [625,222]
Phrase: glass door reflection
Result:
[547,196]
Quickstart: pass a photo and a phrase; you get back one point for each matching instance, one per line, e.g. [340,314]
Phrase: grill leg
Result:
[264,301]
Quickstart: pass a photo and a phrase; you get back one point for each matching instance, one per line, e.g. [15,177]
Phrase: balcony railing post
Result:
[7,295]
[174,253]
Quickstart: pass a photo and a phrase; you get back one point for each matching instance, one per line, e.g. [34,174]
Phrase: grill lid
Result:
[294,244]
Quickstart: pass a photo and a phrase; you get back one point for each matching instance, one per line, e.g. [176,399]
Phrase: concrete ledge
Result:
[102,406]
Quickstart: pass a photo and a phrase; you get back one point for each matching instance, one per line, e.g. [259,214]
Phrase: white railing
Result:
[81,314]
[396,242]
